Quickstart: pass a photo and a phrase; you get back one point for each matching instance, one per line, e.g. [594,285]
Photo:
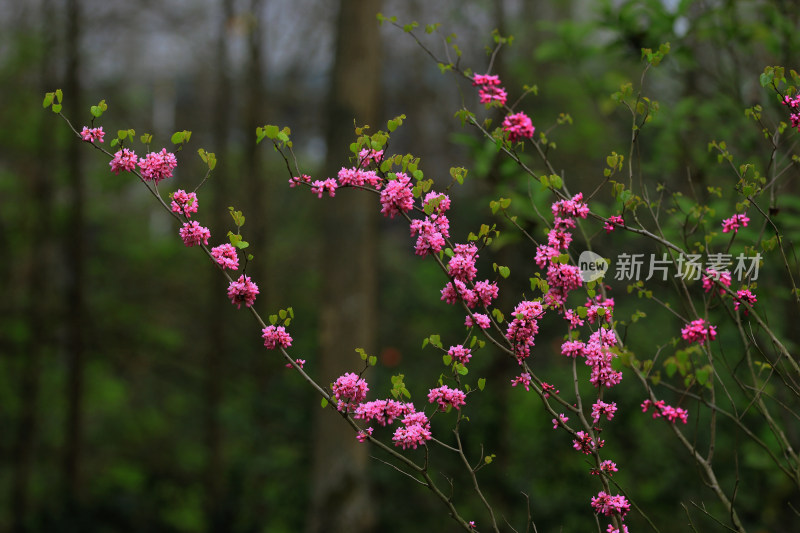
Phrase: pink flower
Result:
[518,127]
[366,156]
[524,327]
[744,296]
[433,231]
[545,255]
[193,233]
[123,160]
[445,396]
[462,265]
[699,331]
[319,187]
[460,354]
[733,223]
[477,319]
[593,306]
[572,348]
[443,202]
[523,379]
[612,222]
[364,434]
[585,443]
[548,389]
[560,421]
[485,79]
[355,177]
[350,390]
[382,411]
[575,321]
[396,197]
[158,165]
[607,467]
[486,292]
[612,529]
[608,505]
[667,411]
[493,95]
[226,257]
[92,134]
[724,278]
[295,181]
[242,291]
[574,207]
[415,431]
[458,290]
[601,408]
[300,363]
[184,203]
[275,336]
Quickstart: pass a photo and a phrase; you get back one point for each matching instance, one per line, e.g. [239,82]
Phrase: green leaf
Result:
[324,403]
[481,383]
[504,271]
[447,359]
[372,360]
[59,94]
[271,131]
[48,99]
[56,108]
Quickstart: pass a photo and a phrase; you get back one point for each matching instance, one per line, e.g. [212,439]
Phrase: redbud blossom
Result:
[733,223]
[518,126]
[699,331]
[242,291]
[193,233]
[350,390]
[123,160]
[158,165]
[92,134]
[184,203]
[275,336]
[225,256]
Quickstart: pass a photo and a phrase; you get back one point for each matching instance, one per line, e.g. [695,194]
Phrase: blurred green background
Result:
[133,397]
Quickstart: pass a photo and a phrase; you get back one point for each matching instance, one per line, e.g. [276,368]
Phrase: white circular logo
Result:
[592,266]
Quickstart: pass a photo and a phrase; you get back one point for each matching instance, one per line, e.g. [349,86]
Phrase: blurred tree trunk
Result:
[216,520]
[340,492]
[75,272]
[37,313]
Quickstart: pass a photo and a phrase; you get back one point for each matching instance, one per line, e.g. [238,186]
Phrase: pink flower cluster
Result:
[460,354]
[365,156]
[597,353]
[184,203]
[608,505]
[744,296]
[396,197]
[490,92]
[123,160]
[350,390]
[384,412]
[607,467]
[601,408]
[356,177]
[561,278]
[193,233]
[699,331]
[416,429]
[158,165]
[275,336]
[478,319]
[518,127]
[712,275]
[592,308]
[794,104]
[225,256]
[560,421]
[523,379]
[666,411]
[242,291]
[92,134]
[433,230]
[612,222]
[586,444]
[447,397]
[733,223]
[319,187]
[522,330]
